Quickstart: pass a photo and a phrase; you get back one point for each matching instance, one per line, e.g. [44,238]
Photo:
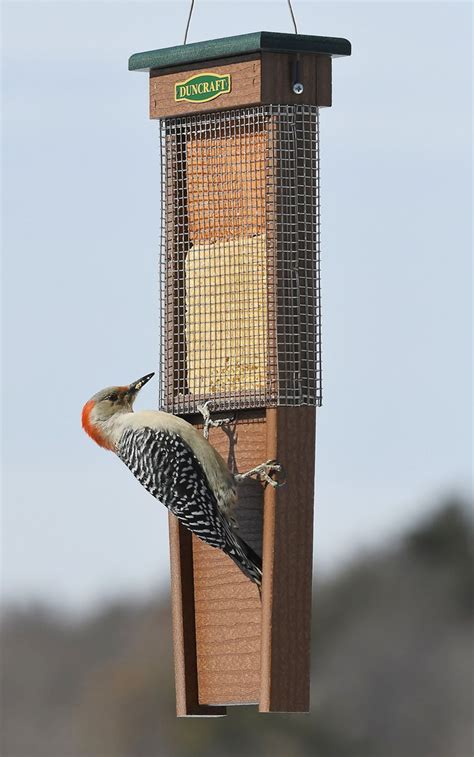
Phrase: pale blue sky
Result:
[80,274]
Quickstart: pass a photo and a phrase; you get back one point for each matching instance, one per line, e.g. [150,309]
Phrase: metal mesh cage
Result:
[240,308]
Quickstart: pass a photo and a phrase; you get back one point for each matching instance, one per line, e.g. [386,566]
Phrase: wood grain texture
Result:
[226,182]
[227,604]
[262,78]
[231,647]
[184,631]
[277,79]
[245,88]
[287,563]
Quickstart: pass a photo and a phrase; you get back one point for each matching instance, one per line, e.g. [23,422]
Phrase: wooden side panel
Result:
[184,630]
[277,79]
[324,81]
[287,563]
[227,604]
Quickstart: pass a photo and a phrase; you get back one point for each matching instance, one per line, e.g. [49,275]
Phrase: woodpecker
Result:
[178,466]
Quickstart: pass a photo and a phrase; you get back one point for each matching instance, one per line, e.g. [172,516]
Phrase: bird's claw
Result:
[208,422]
[264,472]
[268,469]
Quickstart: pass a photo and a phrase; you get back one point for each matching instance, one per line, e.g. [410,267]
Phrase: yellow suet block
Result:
[226,316]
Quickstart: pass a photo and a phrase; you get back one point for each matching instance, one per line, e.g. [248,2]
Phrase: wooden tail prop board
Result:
[231,647]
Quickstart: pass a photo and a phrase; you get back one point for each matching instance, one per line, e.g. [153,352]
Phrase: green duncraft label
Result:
[202,88]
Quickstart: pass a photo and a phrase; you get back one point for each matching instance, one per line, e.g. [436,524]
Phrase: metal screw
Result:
[298,88]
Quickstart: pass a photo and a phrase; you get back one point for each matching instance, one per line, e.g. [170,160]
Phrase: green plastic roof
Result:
[242,44]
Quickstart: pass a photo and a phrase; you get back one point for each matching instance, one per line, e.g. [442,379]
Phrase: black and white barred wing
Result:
[168,468]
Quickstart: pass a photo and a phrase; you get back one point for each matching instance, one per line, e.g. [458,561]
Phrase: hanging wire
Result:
[189,21]
[191,13]
[292,16]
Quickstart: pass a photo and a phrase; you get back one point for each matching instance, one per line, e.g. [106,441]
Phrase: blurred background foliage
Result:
[392,668]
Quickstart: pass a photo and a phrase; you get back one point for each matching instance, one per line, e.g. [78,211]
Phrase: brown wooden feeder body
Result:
[231,647]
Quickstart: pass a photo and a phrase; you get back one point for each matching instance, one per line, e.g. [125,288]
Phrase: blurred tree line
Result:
[392,669]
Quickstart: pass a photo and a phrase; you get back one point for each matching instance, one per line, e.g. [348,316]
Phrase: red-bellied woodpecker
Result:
[177,465]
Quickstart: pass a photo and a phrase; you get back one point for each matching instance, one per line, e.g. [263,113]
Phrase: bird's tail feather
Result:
[245,557]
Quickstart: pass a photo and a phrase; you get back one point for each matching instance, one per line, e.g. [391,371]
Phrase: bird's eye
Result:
[113,397]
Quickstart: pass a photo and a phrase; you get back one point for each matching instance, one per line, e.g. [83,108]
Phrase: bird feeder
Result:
[241,327]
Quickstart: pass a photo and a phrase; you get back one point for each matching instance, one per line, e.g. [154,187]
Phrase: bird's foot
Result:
[264,472]
[208,422]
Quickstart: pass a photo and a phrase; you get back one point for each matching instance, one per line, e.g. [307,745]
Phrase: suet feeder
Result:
[241,327]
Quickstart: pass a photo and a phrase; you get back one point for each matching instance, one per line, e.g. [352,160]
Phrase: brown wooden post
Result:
[232,646]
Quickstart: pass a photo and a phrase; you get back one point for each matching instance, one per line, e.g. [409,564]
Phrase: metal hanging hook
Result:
[189,21]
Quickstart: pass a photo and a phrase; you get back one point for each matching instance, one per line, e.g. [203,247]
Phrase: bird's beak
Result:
[135,386]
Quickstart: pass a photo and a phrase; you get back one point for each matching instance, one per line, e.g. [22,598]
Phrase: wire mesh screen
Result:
[240,309]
